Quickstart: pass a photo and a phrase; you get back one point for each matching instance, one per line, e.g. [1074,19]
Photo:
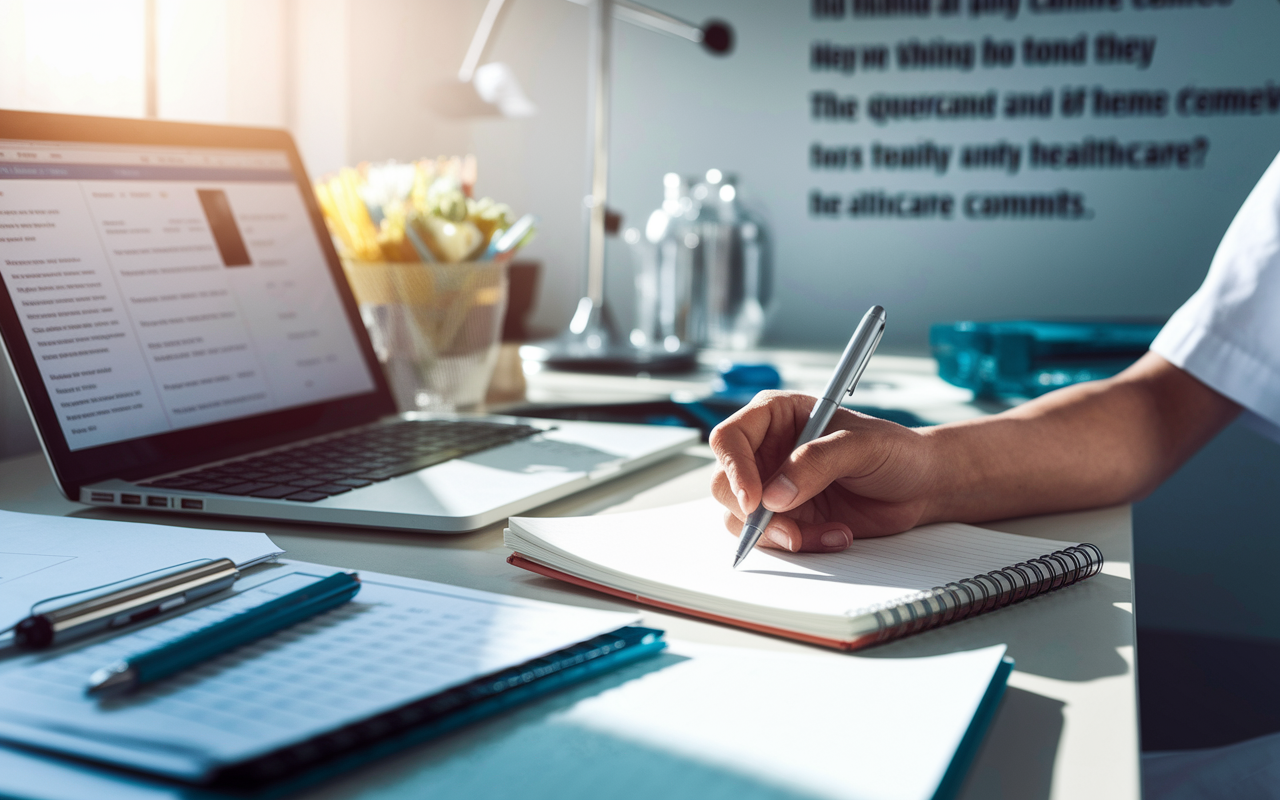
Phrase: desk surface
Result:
[1067,728]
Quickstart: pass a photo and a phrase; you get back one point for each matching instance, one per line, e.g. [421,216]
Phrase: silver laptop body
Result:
[457,495]
[176,316]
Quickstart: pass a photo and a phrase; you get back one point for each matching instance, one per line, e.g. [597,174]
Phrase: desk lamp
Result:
[592,342]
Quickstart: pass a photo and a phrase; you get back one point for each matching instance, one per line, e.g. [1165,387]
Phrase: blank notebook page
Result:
[683,551]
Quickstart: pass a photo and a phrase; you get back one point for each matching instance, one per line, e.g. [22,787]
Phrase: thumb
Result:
[814,466]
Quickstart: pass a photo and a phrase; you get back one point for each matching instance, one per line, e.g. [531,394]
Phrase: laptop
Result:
[185,341]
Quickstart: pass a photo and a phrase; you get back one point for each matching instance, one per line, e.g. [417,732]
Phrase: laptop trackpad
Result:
[484,481]
[539,454]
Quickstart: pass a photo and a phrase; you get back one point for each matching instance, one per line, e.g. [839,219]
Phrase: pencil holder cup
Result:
[435,328]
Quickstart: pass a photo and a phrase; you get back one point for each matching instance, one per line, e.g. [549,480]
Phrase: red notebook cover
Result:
[840,644]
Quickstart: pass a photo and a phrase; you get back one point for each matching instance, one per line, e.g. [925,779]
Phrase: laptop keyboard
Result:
[313,472]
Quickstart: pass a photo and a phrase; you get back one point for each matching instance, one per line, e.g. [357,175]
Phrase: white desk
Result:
[1067,728]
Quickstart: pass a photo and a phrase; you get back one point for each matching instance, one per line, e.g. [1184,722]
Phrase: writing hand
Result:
[865,477]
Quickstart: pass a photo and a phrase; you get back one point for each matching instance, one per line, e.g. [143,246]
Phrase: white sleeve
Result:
[1228,333]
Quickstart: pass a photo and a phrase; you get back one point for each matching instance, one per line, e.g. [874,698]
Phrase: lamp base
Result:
[590,345]
[616,359]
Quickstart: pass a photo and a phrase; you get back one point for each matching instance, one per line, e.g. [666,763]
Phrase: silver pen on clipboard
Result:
[125,606]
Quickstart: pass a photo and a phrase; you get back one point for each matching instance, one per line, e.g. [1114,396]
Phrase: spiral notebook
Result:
[679,558]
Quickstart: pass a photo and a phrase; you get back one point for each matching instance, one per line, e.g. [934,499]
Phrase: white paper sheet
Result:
[782,724]
[45,556]
[397,641]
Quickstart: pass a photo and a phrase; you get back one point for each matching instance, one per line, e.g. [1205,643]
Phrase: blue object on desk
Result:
[1026,358]
[315,761]
[736,385]
[703,413]
[242,628]
[741,382]
[758,377]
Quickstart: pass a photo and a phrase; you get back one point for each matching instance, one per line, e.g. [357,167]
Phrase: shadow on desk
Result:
[1070,635]
[1025,732]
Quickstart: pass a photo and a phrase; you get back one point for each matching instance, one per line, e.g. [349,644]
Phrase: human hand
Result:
[866,477]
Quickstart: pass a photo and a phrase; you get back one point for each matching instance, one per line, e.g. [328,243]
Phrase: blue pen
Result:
[228,634]
[510,237]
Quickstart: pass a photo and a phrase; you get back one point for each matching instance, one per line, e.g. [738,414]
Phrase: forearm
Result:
[1086,446]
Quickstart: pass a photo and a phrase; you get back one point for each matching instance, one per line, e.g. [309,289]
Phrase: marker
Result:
[228,634]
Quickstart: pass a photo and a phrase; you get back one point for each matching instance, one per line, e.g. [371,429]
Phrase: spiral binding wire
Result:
[986,592]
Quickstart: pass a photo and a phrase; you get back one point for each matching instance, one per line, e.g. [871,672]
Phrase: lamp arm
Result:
[654,20]
[601,88]
[479,40]
[625,10]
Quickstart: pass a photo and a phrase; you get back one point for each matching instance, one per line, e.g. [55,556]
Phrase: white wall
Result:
[72,56]
[220,61]
[223,61]
[319,77]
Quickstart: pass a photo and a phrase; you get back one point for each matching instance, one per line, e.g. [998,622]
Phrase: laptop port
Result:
[194,505]
[131,499]
[157,502]
[102,497]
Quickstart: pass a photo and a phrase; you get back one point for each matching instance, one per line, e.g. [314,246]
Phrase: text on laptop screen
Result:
[166,288]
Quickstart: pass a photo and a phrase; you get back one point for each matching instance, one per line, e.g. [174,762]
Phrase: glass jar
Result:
[732,266]
[663,256]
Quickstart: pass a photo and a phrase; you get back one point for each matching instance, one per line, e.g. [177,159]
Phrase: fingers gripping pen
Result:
[852,362]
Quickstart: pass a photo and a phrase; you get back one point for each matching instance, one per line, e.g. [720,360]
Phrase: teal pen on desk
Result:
[228,634]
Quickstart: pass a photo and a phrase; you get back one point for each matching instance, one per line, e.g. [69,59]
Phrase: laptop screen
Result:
[164,288]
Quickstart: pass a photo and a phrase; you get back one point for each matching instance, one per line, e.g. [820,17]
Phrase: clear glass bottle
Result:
[732,266]
[663,255]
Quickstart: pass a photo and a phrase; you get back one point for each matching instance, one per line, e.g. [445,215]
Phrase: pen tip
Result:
[108,678]
[737,559]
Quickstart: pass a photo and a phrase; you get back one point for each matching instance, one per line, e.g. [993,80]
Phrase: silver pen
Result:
[125,606]
[852,362]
